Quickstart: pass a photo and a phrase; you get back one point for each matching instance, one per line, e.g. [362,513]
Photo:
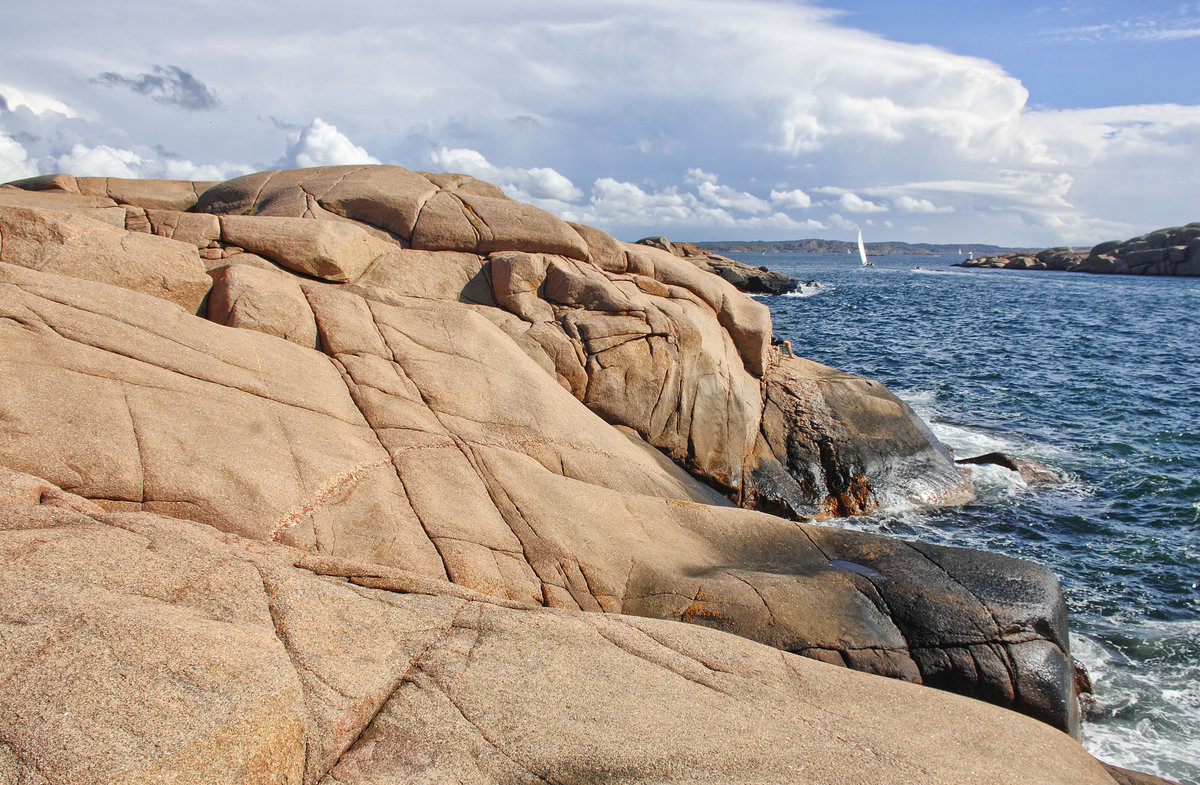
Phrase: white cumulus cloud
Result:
[794,199]
[100,161]
[909,204]
[853,203]
[38,103]
[621,205]
[731,198]
[322,144]
[106,161]
[14,160]
[536,183]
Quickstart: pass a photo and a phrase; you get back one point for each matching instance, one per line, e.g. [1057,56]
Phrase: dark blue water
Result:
[1097,377]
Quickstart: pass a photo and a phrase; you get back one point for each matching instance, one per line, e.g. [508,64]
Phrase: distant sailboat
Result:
[862,251]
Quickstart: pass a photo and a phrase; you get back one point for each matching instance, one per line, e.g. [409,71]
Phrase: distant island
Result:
[1171,251]
[843,246]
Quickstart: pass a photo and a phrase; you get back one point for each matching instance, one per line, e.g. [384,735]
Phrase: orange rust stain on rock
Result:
[855,500]
[696,613]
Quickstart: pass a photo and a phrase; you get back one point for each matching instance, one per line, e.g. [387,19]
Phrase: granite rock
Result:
[142,648]
[438,383]
[1171,251]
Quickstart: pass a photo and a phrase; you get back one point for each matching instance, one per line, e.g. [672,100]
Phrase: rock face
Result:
[1171,251]
[141,648]
[445,413]
[747,278]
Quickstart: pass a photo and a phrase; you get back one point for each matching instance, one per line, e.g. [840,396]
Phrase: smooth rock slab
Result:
[333,251]
[208,658]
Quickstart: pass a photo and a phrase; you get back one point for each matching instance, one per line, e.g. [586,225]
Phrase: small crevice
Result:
[261,188]
[279,627]
[398,682]
[137,440]
[484,736]
[770,613]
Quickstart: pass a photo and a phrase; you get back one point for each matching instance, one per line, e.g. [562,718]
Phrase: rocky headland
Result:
[367,475]
[746,277]
[1171,251]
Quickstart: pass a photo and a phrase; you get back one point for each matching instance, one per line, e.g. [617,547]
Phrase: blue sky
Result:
[1020,123]
[1068,54]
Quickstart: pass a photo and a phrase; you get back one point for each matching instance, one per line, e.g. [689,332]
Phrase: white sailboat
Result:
[862,250]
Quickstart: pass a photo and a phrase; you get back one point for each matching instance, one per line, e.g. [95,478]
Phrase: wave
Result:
[927,271]
[1146,718]
[809,289]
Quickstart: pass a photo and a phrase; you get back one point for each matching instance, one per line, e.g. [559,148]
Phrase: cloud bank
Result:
[702,118]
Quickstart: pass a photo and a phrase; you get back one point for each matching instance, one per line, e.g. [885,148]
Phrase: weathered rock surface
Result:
[264,300]
[564,421]
[832,443]
[139,648]
[150,194]
[73,244]
[747,278]
[1171,251]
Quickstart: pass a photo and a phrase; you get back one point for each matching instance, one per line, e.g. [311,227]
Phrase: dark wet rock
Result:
[824,444]
[1032,472]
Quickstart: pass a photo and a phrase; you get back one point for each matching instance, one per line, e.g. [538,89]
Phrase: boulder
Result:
[462,220]
[11,196]
[745,277]
[445,213]
[198,229]
[834,444]
[1032,472]
[1104,248]
[140,648]
[332,251]
[150,194]
[76,245]
[387,197]
[262,300]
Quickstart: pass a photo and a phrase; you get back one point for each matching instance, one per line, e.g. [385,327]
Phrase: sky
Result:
[1024,123]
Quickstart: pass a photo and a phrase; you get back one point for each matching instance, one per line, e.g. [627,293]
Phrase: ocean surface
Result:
[1097,377]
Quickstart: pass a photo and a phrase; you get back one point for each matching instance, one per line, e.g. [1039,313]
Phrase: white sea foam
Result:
[964,442]
[994,481]
[1145,718]
[809,289]
[918,399]
[926,271]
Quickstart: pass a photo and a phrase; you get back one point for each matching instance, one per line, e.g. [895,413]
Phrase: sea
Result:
[1098,378]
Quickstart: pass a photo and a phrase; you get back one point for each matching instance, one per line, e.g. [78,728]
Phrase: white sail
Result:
[862,249]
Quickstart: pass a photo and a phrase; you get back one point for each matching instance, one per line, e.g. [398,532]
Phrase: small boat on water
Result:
[862,251]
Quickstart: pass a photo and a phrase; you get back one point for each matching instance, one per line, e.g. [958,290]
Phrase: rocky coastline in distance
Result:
[842,246]
[1172,251]
[362,475]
